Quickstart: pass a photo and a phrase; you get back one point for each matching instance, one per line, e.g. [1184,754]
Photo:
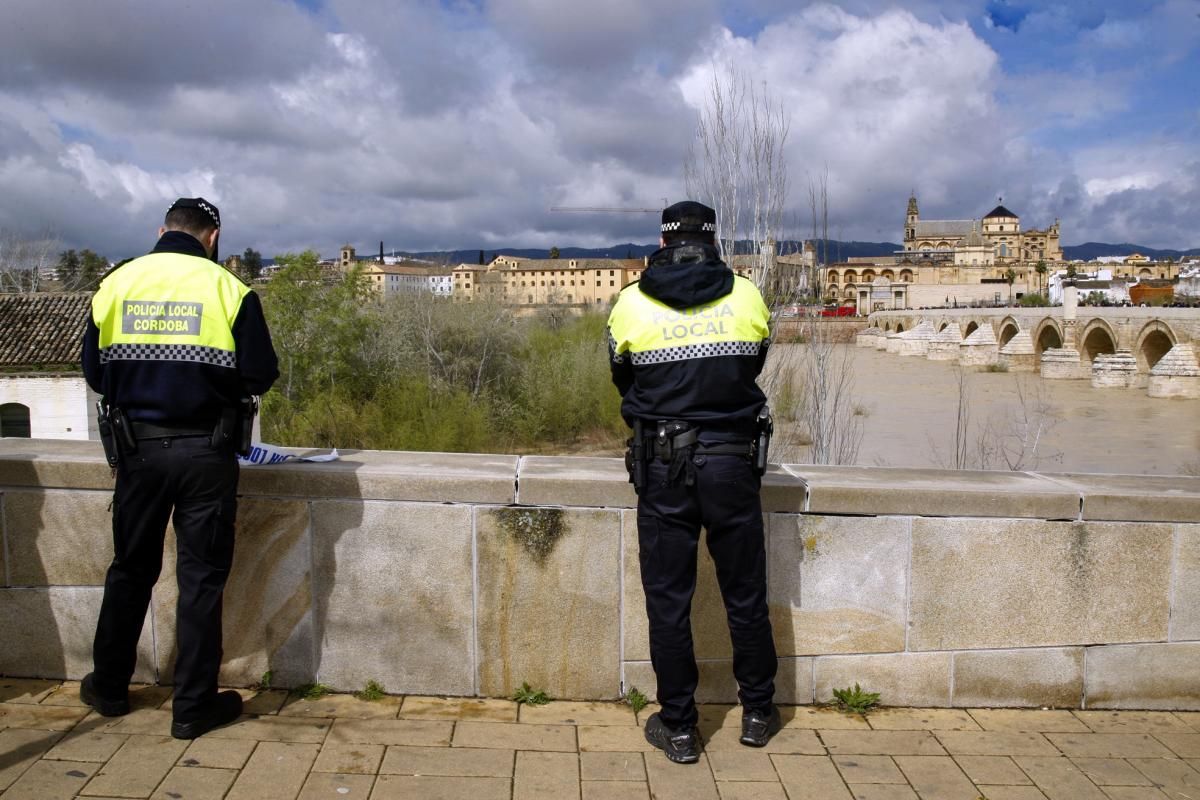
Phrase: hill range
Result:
[837,251]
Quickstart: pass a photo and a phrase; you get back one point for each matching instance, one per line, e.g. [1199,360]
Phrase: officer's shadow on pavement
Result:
[291,518]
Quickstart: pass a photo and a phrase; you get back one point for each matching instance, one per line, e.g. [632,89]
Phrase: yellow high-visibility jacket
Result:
[688,341]
[175,338]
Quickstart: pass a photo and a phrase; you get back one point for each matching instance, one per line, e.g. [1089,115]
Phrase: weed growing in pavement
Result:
[371,692]
[530,696]
[636,700]
[855,701]
[313,691]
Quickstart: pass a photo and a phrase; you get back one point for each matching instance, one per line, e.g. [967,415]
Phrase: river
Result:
[908,408]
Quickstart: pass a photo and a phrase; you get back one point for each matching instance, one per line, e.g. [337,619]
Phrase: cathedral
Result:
[997,238]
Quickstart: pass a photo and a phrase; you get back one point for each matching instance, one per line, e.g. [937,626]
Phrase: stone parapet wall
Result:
[470,574]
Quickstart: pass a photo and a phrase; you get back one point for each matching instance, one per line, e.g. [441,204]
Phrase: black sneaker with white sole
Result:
[681,745]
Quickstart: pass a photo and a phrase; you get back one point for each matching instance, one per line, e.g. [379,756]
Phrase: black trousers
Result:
[724,500]
[194,485]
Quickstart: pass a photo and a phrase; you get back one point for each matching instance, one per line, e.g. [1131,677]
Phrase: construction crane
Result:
[600,209]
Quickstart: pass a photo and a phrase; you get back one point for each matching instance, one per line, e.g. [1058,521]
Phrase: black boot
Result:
[105,707]
[225,709]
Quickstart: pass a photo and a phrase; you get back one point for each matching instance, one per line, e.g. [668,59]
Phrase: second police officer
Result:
[686,344]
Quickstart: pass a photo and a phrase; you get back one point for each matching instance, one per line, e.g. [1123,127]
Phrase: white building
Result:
[410,278]
[42,391]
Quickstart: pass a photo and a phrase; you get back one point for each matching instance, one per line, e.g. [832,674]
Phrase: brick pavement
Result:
[51,746]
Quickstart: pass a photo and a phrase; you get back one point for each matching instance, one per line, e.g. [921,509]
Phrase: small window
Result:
[14,421]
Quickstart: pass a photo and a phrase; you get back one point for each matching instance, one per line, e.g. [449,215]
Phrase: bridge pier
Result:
[1177,374]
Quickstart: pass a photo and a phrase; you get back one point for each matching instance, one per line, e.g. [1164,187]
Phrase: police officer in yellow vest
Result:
[175,346]
[686,345]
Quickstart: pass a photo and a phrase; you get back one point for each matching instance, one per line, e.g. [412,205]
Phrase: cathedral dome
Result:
[1000,211]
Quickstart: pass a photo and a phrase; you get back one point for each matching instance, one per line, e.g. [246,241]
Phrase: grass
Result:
[855,701]
[371,692]
[264,682]
[530,696]
[312,691]
[999,366]
[636,700]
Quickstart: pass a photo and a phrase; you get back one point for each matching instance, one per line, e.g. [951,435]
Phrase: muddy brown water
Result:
[908,407]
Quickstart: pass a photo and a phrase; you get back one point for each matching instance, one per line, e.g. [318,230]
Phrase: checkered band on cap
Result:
[690,351]
[193,353]
[708,227]
[198,202]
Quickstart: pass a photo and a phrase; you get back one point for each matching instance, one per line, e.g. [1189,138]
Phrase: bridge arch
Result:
[972,326]
[1008,329]
[1152,343]
[899,327]
[1097,339]
[1047,335]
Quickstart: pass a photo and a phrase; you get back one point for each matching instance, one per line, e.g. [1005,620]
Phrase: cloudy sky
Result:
[459,123]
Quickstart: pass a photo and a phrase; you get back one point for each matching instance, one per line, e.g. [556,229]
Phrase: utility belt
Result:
[120,436]
[676,443]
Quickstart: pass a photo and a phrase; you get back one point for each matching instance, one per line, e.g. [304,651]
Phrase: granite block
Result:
[838,584]
[1021,583]
[393,596]
[1032,678]
[48,633]
[549,589]
[57,537]
[1150,676]
[901,679]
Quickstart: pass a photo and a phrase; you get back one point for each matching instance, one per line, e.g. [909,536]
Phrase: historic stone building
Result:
[948,262]
[999,228]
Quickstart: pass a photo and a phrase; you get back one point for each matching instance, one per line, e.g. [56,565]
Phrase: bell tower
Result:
[910,223]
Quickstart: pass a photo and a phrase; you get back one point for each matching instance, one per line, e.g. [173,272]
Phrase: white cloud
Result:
[133,186]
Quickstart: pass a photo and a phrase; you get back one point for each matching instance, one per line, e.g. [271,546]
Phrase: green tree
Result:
[68,269]
[554,252]
[1041,270]
[251,264]
[1010,275]
[92,267]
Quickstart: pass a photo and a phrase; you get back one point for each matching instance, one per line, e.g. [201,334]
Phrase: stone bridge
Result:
[1078,341]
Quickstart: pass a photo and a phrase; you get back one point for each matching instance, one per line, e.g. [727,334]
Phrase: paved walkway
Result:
[444,749]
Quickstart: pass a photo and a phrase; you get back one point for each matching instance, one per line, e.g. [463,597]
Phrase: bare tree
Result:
[736,164]
[827,407]
[818,203]
[1012,438]
[25,260]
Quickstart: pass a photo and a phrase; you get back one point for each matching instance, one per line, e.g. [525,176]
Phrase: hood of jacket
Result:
[686,275]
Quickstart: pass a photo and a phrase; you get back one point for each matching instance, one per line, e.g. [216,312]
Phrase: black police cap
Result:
[689,216]
[198,202]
